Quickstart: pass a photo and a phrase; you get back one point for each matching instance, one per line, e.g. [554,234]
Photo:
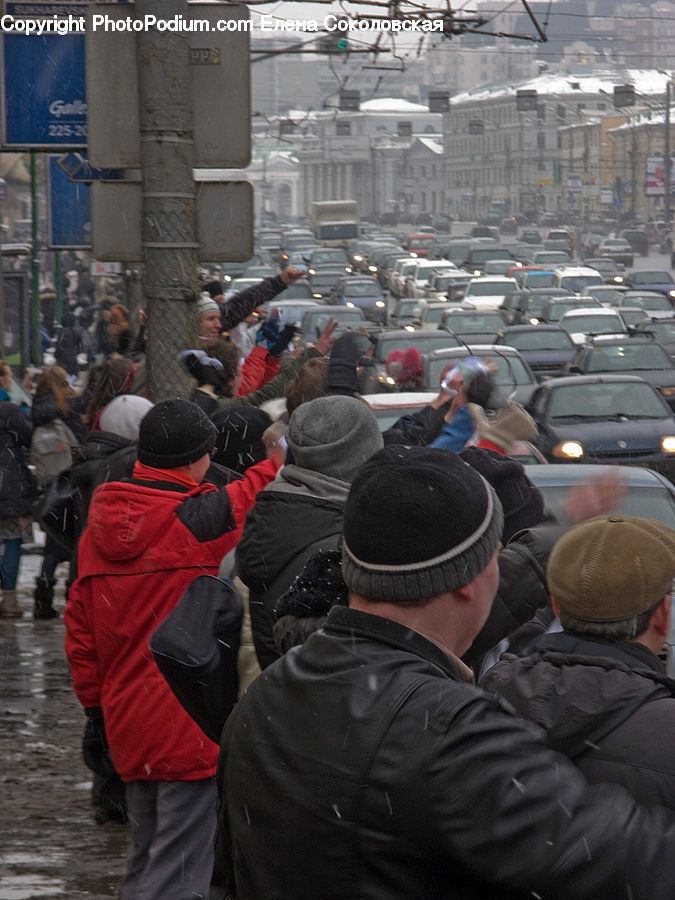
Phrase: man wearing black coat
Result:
[366,764]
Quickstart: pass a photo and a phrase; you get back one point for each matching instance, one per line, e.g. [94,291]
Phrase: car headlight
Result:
[668,444]
[380,304]
[318,296]
[372,268]
[312,271]
[350,304]
[568,450]
[348,270]
[671,294]
[534,320]
[358,258]
[618,279]
[227,278]
[476,271]
[409,327]
[413,254]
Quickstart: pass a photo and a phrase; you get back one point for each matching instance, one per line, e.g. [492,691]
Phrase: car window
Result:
[425,343]
[630,399]
[621,357]
[361,289]
[475,323]
[658,302]
[592,324]
[577,283]
[652,278]
[649,503]
[537,339]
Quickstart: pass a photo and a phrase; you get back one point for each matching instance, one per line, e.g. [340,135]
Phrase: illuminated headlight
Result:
[668,444]
[389,380]
[350,304]
[409,327]
[380,304]
[372,268]
[671,294]
[227,278]
[358,258]
[476,271]
[534,321]
[668,391]
[618,279]
[312,271]
[318,296]
[570,450]
[413,255]
[348,270]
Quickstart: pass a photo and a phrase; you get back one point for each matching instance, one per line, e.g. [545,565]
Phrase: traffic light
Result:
[334,42]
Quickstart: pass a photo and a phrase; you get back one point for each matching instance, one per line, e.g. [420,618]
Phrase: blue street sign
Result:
[69,215]
[44,97]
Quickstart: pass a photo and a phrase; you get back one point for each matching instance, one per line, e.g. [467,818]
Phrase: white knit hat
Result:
[206,304]
[122,416]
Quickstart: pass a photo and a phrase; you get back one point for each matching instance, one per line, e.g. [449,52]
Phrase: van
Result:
[576,278]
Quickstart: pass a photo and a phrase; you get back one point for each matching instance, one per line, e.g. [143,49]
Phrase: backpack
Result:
[51,450]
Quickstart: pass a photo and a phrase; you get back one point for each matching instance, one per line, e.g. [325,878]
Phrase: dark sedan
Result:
[604,419]
[635,355]
[651,280]
[662,330]
[512,374]
[362,293]
[547,349]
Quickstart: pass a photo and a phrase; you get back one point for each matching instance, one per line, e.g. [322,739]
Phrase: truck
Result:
[335,222]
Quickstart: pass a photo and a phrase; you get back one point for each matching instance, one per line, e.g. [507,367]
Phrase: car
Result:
[638,240]
[509,225]
[559,239]
[498,266]
[611,271]
[447,285]
[530,236]
[617,249]
[651,280]
[647,300]
[421,244]
[315,319]
[519,271]
[526,307]
[604,419]
[556,307]
[239,284]
[478,326]
[430,314]
[551,258]
[661,329]
[638,354]
[488,291]
[323,282]
[388,407]
[335,257]
[419,276]
[536,277]
[605,293]
[291,310]
[513,375]
[486,231]
[580,323]
[547,349]
[479,254]
[403,312]
[386,340]
[649,494]
[576,278]
[365,294]
[398,275]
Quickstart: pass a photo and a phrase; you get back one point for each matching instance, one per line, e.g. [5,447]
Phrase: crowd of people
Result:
[441,691]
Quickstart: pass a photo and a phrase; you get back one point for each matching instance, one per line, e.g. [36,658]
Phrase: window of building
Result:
[541,140]
[343,128]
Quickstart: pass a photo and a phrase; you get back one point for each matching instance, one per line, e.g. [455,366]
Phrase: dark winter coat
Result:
[68,346]
[45,410]
[609,707]
[145,542]
[17,490]
[385,775]
[300,513]
[241,305]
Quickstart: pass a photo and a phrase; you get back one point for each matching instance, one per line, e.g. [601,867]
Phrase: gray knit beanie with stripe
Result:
[418,522]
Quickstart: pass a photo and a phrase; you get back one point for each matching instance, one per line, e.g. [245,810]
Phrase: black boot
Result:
[44,596]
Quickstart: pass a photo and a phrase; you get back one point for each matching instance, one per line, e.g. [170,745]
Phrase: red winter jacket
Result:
[146,541]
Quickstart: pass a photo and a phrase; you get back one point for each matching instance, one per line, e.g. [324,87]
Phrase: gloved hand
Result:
[205,369]
[286,335]
[268,333]
[95,750]
[347,353]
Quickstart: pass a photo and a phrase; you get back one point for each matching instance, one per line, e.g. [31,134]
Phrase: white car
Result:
[488,291]
[580,323]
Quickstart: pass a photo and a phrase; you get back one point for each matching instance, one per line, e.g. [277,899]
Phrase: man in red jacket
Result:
[148,537]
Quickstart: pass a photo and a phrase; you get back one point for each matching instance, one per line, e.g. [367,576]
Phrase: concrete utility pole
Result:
[169,230]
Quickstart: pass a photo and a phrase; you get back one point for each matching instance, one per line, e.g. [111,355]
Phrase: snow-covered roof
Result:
[431,144]
[645,81]
[392,105]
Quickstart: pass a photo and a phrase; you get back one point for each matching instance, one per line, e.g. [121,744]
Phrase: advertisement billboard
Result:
[656,174]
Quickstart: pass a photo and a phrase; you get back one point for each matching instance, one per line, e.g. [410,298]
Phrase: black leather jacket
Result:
[360,765]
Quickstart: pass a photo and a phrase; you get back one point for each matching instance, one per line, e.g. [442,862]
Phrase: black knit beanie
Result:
[239,441]
[522,501]
[174,433]
[418,522]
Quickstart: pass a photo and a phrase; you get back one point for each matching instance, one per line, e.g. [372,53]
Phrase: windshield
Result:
[421,242]
[652,278]
[592,324]
[425,343]
[539,340]
[538,279]
[362,289]
[618,358]
[556,310]
[663,331]
[658,302]
[487,253]
[650,503]
[479,323]
[338,231]
[490,288]
[630,399]
[328,256]
[510,373]
[577,283]
[347,316]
